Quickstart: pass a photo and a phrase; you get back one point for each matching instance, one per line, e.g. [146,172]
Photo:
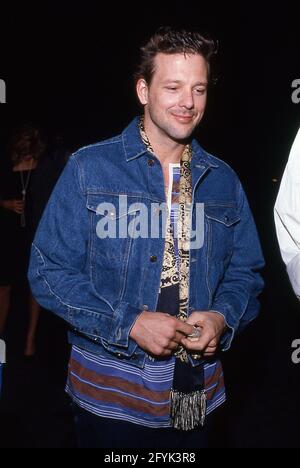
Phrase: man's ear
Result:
[142,91]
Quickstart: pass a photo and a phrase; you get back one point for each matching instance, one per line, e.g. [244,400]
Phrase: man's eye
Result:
[200,91]
[171,88]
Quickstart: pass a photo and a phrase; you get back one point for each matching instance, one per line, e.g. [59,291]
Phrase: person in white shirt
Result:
[287,216]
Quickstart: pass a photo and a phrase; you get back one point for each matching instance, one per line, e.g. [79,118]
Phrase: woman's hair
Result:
[26,140]
[167,40]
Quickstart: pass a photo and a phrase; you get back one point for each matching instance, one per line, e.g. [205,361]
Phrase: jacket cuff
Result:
[232,325]
[123,320]
[132,351]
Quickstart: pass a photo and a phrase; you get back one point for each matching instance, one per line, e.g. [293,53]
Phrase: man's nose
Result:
[187,100]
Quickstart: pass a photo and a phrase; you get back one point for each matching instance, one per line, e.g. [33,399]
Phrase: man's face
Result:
[175,100]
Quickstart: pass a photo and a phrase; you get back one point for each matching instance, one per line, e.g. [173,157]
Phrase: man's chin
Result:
[182,137]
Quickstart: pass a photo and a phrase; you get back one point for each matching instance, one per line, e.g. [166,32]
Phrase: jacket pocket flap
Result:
[226,215]
[109,206]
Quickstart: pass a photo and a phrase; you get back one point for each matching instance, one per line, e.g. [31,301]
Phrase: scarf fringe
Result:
[188,410]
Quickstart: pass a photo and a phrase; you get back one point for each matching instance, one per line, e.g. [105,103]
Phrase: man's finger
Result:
[213,343]
[209,354]
[195,345]
[172,346]
[184,328]
[210,350]
[178,337]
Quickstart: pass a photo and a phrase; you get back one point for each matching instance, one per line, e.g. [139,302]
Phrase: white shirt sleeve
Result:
[287,216]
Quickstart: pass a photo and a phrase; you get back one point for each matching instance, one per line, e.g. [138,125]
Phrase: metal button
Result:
[226,219]
[153,258]
[151,162]
[145,307]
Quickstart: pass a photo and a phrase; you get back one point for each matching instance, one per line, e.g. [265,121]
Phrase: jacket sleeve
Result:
[236,296]
[287,216]
[59,269]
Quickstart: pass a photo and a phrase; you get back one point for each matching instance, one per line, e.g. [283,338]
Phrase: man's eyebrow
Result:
[172,81]
[200,83]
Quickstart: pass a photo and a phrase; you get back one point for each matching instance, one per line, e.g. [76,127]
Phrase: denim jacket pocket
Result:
[221,220]
[112,216]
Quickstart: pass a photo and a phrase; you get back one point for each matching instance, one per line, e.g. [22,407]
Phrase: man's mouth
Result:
[183,118]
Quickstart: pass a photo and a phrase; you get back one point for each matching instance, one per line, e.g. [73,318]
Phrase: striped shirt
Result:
[113,389]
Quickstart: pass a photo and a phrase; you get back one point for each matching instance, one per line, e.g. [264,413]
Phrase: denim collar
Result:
[134,146]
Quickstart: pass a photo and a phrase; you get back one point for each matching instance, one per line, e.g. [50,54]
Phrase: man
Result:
[287,216]
[149,313]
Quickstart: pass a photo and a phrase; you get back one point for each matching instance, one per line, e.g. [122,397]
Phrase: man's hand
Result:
[159,334]
[17,206]
[212,326]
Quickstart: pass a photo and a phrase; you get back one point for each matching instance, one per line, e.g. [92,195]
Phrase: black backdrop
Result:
[69,68]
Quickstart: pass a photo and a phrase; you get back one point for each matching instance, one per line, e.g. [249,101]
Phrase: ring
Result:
[195,334]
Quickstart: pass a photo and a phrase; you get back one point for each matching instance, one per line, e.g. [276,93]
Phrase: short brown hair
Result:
[167,40]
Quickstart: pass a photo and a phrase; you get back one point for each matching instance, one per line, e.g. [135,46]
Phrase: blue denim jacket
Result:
[100,286]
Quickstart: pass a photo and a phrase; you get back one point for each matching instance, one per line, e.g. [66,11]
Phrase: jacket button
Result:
[226,219]
[151,162]
[153,258]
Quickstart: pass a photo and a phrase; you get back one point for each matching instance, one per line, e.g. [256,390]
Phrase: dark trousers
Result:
[97,432]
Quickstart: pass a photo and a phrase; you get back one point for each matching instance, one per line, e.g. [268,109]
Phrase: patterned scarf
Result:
[188,399]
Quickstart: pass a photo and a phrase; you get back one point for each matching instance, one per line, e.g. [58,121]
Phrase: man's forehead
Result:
[170,64]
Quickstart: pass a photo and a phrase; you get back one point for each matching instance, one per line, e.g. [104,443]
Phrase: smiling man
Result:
[149,315]
[175,100]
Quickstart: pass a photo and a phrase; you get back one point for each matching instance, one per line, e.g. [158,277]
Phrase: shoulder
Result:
[97,150]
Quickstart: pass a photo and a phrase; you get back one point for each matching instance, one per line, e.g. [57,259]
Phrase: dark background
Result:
[69,69]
